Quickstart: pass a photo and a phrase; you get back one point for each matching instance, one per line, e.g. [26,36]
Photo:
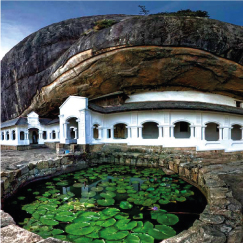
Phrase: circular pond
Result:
[108,204]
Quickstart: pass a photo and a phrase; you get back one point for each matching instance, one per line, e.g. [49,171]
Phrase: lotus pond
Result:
[107,204]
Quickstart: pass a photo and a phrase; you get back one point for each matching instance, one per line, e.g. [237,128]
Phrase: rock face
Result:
[137,53]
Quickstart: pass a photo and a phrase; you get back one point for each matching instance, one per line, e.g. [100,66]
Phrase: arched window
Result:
[236,133]
[13,135]
[7,135]
[95,131]
[44,134]
[212,132]
[53,134]
[182,130]
[72,132]
[2,136]
[120,131]
[21,135]
[150,130]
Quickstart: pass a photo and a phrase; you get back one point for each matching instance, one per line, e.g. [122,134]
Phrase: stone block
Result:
[15,234]
[42,165]
[211,218]
[235,235]
[6,219]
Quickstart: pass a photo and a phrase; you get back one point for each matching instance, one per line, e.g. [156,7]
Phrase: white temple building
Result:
[167,118]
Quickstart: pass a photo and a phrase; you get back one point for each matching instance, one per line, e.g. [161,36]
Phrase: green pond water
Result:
[108,203]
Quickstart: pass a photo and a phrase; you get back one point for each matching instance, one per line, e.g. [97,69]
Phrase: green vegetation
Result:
[104,23]
[187,12]
[116,204]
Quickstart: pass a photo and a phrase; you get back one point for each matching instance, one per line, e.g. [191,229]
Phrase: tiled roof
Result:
[160,105]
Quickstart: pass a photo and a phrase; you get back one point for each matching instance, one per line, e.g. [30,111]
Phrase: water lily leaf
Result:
[97,189]
[158,213]
[78,229]
[45,234]
[87,200]
[132,238]
[62,183]
[65,216]
[138,216]
[49,207]
[131,191]
[110,188]
[57,232]
[48,221]
[150,189]
[167,231]
[164,201]
[95,233]
[111,233]
[88,194]
[121,191]
[168,219]
[106,202]
[30,208]
[61,237]
[148,202]
[181,199]
[111,211]
[125,224]
[108,222]
[98,241]
[108,194]
[139,228]
[21,198]
[78,185]
[125,205]
[91,215]
[104,184]
[144,237]
[135,182]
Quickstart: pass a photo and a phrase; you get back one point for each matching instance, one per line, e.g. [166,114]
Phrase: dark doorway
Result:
[34,137]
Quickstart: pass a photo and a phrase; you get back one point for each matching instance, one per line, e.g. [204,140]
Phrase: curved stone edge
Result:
[220,222]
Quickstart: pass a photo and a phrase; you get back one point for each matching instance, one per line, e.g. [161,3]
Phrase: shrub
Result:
[101,24]
[187,12]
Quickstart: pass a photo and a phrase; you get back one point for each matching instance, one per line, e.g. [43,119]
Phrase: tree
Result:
[143,10]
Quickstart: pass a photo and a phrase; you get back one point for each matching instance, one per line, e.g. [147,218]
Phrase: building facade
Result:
[170,119]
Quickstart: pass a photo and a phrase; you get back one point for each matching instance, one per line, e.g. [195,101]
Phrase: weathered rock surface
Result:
[6,219]
[15,234]
[137,53]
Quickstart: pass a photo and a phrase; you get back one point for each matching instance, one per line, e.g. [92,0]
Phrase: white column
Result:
[128,132]
[192,132]
[226,133]
[65,128]
[203,132]
[140,132]
[75,133]
[241,133]
[100,132]
[172,131]
[26,135]
[112,133]
[220,133]
[160,131]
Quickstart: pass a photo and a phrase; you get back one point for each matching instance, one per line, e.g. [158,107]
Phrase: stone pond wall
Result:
[220,222]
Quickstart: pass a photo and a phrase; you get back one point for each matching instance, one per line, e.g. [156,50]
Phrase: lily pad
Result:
[111,211]
[48,221]
[66,216]
[125,224]
[62,183]
[168,219]
[78,229]
[97,189]
[108,194]
[111,233]
[106,202]
[125,205]
[78,185]
[88,194]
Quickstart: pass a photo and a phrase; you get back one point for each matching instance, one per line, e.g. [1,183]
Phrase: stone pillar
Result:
[160,131]
[192,132]
[241,133]
[26,135]
[140,132]
[134,132]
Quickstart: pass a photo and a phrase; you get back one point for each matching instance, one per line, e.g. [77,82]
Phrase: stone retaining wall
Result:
[220,222]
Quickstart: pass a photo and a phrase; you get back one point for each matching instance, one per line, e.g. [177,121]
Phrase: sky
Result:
[21,18]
